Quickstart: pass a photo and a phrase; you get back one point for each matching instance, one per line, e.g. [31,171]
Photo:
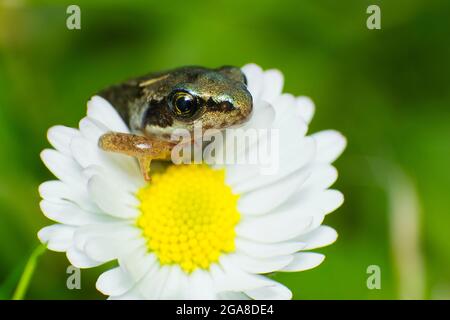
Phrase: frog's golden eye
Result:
[183,104]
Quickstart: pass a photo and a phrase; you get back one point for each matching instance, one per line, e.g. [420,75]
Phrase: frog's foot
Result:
[145,149]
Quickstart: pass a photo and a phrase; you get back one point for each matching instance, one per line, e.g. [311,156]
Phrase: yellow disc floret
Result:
[188,215]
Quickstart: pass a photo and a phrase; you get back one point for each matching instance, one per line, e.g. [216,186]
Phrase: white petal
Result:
[268,198]
[102,111]
[121,180]
[132,294]
[294,218]
[107,249]
[176,284]
[318,238]
[238,173]
[330,145]
[152,283]
[201,286]
[311,203]
[62,166]
[230,295]
[317,220]
[114,282]
[79,259]
[256,145]
[108,234]
[305,108]
[292,158]
[273,85]
[111,200]
[60,137]
[159,282]
[237,142]
[304,261]
[276,291]
[117,167]
[289,151]
[260,265]
[84,152]
[68,213]
[262,119]
[57,237]
[228,277]
[92,129]
[267,250]
[138,263]
[285,108]
[56,190]
[291,126]
[117,229]
[254,75]
[322,177]
[270,228]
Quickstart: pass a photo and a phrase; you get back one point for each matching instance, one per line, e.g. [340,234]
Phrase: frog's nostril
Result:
[227,106]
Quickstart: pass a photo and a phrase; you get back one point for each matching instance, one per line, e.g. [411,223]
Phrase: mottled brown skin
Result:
[216,98]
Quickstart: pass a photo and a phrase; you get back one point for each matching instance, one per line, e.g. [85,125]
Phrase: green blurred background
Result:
[387,90]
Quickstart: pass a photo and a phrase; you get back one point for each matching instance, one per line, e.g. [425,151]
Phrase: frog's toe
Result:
[144,164]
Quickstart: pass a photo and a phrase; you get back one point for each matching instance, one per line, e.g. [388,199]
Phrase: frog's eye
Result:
[183,104]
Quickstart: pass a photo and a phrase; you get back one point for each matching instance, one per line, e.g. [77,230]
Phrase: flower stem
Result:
[28,272]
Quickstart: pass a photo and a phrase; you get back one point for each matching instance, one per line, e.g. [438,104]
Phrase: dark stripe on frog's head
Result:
[157,114]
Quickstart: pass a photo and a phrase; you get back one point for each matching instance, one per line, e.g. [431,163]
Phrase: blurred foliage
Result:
[387,90]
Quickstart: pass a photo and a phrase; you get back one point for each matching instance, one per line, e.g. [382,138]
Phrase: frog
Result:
[155,105]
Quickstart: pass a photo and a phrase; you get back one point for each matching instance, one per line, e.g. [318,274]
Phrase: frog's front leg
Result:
[145,149]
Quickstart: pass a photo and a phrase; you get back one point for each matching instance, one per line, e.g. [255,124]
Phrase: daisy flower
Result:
[195,231]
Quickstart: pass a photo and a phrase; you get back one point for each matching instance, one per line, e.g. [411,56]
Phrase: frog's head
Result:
[216,98]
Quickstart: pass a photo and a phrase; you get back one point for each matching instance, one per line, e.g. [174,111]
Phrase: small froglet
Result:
[155,105]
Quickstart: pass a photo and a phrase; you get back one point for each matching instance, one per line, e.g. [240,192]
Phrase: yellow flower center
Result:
[188,215]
